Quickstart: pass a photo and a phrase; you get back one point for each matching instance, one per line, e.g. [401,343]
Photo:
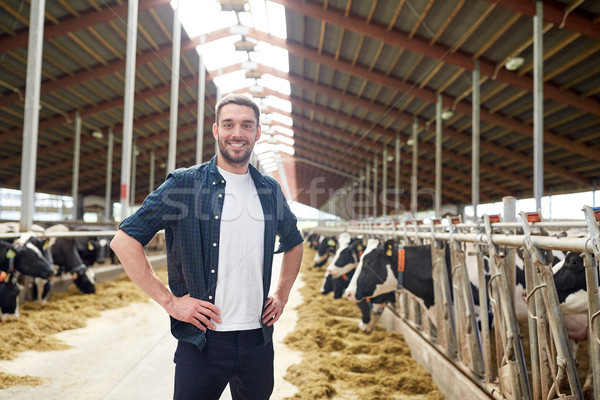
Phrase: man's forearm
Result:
[135,263]
[290,266]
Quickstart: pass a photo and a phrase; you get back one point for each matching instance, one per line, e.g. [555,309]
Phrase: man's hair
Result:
[240,100]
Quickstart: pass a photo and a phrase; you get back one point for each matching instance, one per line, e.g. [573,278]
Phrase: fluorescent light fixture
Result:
[239,30]
[97,134]
[285,140]
[447,114]
[285,148]
[513,63]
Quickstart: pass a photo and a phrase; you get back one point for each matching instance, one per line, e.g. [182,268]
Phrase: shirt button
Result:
[214,183]
[212,271]
[222,180]
[220,195]
[210,297]
[216,217]
[214,245]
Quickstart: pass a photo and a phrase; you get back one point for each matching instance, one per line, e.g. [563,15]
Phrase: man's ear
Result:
[215,131]
[258,132]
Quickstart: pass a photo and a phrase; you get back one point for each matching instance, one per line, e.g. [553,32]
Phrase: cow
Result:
[18,260]
[342,267]
[327,247]
[66,256]
[313,240]
[375,280]
[343,241]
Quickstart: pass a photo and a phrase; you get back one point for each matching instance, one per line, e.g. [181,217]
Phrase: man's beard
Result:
[236,159]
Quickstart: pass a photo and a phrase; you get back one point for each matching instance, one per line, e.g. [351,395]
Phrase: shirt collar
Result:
[257,177]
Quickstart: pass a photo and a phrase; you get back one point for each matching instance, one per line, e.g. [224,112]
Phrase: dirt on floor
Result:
[342,362]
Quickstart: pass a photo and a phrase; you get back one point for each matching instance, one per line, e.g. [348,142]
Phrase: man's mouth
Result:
[237,144]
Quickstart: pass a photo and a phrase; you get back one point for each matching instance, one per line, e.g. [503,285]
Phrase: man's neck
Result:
[233,168]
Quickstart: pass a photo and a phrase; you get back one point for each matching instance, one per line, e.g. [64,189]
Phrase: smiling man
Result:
[221,219]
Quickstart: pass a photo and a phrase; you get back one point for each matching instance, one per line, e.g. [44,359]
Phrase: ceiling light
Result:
[390,158]
[447,114]
[97,134]
[239,30]
[253,74]
[244,45]
[514,63]
[233,5]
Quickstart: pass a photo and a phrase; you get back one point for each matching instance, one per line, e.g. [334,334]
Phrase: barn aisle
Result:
[127,354]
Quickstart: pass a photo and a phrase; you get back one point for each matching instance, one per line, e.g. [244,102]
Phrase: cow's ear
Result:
[10,253]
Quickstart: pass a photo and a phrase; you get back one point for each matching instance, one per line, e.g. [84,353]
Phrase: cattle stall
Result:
[504,353]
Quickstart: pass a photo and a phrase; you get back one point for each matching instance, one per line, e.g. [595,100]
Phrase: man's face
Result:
[236,133]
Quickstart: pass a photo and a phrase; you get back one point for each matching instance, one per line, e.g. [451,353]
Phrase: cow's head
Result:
[350,293]
[377,276]
[84,278]
[29,260]
[91,250]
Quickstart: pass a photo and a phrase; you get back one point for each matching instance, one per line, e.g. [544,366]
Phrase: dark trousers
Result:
[240,358]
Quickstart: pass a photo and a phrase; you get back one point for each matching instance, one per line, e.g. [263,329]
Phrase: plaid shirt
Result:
[188,207]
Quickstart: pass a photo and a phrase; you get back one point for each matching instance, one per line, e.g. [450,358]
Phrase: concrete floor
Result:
[127,353]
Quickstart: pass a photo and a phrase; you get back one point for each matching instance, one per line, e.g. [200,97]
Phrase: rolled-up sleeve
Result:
[157,212]
[289,235]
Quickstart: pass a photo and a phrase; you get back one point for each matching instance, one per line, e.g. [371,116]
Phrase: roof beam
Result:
[428,95]
[73,23]
[408,118]
[554,13]
[440,53]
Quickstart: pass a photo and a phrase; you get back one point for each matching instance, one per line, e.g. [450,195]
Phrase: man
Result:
[220,220]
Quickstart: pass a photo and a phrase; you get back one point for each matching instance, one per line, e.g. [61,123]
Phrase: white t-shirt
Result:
[239,292]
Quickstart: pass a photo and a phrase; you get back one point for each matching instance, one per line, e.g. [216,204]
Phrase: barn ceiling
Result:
[361,73]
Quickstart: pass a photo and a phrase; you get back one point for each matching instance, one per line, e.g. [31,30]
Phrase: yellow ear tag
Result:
[359,247]
[10,253]
[90,246]
[46,245]
[388,252]
[331,243]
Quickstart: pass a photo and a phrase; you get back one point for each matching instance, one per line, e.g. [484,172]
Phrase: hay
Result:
[35,328]
[8,380]
[342,362]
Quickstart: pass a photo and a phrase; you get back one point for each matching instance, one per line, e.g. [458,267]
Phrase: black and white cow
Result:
[66,256]
[376,278]
[313,240]
[326,248]
[18,260]
[342,266]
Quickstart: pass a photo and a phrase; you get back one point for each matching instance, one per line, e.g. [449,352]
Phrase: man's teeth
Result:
[236,144]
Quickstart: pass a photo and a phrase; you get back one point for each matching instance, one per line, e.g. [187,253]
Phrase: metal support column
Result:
[538,104]
[174,89]
[133,172]
[109,161]
[475,123]
[397,176]
[201,98]
[32,112]
[375,182]
[385,183]
[361,184]
[152,168]
[413,178]
[367,191]
[132,13]
[438,156]
[76,155]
